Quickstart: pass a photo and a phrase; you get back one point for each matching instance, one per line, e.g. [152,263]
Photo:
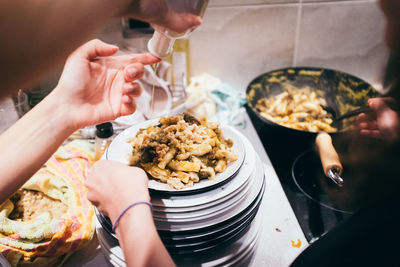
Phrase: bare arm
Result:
[112,187]
[27,145]
[94,87]
[37,35]
[139,239]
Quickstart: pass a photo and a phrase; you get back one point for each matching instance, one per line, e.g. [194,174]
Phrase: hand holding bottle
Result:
[176,15]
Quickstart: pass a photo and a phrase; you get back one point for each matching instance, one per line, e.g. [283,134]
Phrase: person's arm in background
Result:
[112,187]
[37,35]
[94,87]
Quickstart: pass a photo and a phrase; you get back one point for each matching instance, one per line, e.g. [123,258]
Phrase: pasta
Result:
[297,108]
[182,150]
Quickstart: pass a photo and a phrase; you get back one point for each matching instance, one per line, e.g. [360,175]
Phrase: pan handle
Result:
[329,158]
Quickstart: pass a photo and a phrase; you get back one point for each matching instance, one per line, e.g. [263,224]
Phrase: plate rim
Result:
[197,187]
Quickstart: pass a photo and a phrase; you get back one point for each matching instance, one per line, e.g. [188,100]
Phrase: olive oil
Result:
[154,66]
[180,70]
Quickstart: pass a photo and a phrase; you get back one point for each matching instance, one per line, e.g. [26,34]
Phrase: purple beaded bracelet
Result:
[127,208]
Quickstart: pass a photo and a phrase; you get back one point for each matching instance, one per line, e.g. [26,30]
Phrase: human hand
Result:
[96,87]
[112,186]
[382,123]
[160,14]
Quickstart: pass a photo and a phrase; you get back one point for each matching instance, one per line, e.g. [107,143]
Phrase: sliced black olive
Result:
[203,174]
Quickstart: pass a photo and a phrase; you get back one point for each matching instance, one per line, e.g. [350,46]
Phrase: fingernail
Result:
[132,72]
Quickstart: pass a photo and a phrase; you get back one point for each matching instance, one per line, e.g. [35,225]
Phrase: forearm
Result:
[39,34]
[139,239]
[30,142]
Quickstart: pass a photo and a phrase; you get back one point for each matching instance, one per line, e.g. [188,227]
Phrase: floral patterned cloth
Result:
[45,241]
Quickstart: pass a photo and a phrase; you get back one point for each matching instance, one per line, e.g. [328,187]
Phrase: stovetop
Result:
[283,148]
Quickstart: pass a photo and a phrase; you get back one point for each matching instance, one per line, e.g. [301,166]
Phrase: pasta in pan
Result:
[297,108]
[182,150]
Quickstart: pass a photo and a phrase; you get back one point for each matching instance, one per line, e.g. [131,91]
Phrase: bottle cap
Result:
[160,45]
[104,130]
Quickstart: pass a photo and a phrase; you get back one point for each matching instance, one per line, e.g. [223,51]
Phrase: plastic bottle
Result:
[104,136]
[161,44]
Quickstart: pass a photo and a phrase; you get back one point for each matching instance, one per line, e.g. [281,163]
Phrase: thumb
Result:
[96,48]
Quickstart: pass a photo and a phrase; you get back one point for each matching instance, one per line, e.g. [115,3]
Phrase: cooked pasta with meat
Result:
[181,150]
[297,108]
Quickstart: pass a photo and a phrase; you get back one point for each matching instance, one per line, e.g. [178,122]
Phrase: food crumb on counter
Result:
[296,244]
[278,230]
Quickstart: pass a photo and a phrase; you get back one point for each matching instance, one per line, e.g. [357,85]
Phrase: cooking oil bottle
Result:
[166,42]
[180,70]
[162,42]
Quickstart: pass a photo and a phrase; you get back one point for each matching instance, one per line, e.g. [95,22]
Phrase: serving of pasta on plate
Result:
[182,150]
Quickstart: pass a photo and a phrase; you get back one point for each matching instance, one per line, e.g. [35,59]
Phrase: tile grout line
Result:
[297,34]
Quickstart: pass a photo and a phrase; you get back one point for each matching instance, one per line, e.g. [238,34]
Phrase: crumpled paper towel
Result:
[208,96]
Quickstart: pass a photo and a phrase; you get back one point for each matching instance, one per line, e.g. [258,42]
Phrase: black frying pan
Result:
[342,92]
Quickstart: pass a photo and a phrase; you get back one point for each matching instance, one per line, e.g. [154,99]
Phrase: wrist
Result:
[57,114]
[139,217]
[64,109]
[119,205]
[134,209]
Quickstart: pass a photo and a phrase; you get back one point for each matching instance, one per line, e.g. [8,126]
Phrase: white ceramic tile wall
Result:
[238,43]
[240,39]
[346,35]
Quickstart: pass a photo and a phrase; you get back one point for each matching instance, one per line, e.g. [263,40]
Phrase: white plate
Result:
[254,191]
[202,200]
[119,150]
[229,255]
[218,206]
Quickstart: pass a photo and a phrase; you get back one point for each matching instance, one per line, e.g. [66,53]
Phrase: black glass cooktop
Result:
[314,211]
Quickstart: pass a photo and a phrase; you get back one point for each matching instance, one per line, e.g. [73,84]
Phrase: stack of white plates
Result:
[211,223]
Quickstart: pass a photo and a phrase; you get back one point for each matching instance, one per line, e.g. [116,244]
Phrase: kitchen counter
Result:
[279,224]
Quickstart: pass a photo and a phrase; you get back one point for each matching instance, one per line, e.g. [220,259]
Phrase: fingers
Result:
[128,105]
[371,133]
[385,99]
[370,125]
[377,104]
[366,117]
[132,89]
[145,59]
[362,117]
[96,48]
[133,72]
